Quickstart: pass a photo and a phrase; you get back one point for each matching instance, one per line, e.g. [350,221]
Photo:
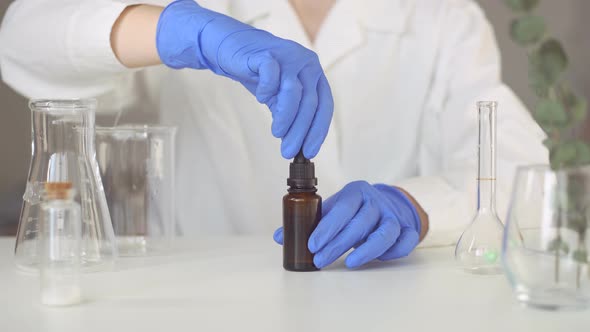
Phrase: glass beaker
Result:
[478,248]
[137,169]
[545,247]
[63,151]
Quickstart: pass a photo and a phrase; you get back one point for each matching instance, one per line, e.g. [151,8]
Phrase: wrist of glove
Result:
[379,221]
[181,32]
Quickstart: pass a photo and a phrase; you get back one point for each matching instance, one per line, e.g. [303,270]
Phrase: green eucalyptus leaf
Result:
[553,60]
[569,154]
[580,256]
[564,247]
[579,111]
[582,153]
[558,244]
[576,221]
[563,155]
[537,79]
[554,244]
[553,162]
[549,129]
[527,30]
[522,5]
[550,112]
[577,106]
[549,143]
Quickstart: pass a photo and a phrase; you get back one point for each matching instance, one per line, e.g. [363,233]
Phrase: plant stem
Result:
[558,247]
[557,263]
[578,274]
[581,236]
[560,95]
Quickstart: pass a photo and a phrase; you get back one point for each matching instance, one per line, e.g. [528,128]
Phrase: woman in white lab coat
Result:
[405,76]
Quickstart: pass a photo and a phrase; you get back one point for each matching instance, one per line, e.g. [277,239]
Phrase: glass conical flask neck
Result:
[478,248]
[486,151]
[63,151]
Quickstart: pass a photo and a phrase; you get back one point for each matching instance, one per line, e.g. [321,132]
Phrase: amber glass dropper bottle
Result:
[302,211]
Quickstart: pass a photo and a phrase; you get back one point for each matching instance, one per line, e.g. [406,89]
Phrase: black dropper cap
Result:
[302,174]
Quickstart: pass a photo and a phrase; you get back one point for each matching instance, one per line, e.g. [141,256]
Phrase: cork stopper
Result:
[58,190]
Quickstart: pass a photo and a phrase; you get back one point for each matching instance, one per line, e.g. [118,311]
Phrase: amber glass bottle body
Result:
[302,211]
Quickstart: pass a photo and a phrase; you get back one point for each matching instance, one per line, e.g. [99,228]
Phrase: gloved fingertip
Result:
[288,150]
[352,262]
[310,151]
[265,93]
[318,261]
[312,244]
[262,98]
[277,130]
[278,236]
[287,154]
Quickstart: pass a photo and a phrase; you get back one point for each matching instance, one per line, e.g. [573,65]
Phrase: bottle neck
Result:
[297,190]
[486,169]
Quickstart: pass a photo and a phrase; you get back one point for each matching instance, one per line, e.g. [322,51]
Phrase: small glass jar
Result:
[59,250]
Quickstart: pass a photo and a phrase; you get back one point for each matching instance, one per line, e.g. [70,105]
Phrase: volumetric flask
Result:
[63,151]
[478,248]
[137,169]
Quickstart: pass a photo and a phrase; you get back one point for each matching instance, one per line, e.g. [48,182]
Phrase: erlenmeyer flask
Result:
[63,151]
[478,249]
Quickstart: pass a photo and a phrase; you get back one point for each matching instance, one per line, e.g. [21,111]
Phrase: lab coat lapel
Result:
[345,28]
[343,31]
[275,16]
[340,34]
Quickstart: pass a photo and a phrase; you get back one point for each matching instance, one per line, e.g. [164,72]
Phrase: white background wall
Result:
[567,21]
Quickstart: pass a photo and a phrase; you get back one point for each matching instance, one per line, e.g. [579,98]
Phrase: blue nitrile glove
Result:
[282,74]
[378,220]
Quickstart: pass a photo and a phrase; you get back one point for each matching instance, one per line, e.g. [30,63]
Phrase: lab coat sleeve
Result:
[467,70]
[61,48]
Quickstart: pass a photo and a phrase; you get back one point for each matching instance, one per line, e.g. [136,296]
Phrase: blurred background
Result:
[566,21]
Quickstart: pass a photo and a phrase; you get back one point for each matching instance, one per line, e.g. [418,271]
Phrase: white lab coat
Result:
[405,75]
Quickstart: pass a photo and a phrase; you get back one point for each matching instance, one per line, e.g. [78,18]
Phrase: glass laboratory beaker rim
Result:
[487,103]
[62,105]
[146,129]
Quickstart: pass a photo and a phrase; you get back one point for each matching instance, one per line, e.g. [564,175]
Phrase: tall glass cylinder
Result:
[63,151]
[479,247]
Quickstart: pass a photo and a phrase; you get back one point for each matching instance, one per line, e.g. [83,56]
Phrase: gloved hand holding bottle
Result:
[379,221]
[280,73]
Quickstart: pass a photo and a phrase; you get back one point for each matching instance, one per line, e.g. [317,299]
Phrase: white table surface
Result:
[238,284]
